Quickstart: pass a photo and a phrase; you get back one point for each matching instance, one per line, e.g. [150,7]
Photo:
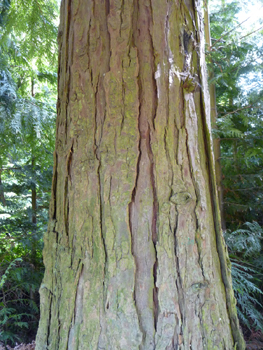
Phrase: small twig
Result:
[236,204]
[243,175]
[254,31]
[229,138]
[221,70]
[237,110]
[222,36]
[247,189]
[9,169]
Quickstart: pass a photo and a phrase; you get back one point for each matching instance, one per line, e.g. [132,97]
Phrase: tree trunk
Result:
[134,254]
[213,112]
[2,192]
[33,194]
[33,198]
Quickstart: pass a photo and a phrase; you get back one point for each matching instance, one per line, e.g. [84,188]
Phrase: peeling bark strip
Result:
[134,255]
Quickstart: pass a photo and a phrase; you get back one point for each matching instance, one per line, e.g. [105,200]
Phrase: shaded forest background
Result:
[28,77]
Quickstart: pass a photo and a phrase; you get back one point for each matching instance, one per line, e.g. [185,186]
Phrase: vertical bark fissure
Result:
[66,205]
[59,283]
[169,61]
[99,126]
[107,4]
[102,230]
[53,208]
[152,175]
[68,60]
[179,284]
[178,336]
[179,280]
[147,310]
[169,161]
[121,15]
[50,298]
[123,106]
[49,318]
[131,211]
[67,66]
[100,80]
[100,190]
[154,83]
[197,201]
[154,233]
[66,190]
[132,203]
[77,317]
[101,113]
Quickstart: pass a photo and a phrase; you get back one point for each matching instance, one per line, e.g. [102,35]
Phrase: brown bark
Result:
[134,254]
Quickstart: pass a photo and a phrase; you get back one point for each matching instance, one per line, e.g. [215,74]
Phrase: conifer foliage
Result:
[235,57]
[236,60]
[27,126]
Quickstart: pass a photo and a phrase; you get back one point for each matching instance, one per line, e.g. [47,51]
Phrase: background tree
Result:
[134,254]
[27,115]
[237,63]
[235,58]
[213,112]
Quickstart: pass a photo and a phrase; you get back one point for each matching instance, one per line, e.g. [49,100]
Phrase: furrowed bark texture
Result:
[134,254]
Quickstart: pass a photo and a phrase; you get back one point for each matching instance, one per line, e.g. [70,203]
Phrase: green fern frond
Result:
[8,270]
[247,240]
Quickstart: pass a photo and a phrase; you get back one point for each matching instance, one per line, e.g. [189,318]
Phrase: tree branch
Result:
[254,31]
[237,110]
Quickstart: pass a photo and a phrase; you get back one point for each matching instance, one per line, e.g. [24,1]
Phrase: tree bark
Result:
[134,254]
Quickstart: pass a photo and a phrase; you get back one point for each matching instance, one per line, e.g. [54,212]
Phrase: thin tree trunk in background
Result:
[33,201]
[33,188]
[34,205]
[134,254]
[34,196]
[213,112]
[235,155]
[33,220]
[2,193]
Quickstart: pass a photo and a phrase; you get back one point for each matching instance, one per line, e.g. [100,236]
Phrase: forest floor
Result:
[255,345]
[251,345]
[30,346]
[254,341]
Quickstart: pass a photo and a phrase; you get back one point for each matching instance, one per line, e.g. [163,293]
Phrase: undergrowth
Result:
[19,299]
[245,247]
